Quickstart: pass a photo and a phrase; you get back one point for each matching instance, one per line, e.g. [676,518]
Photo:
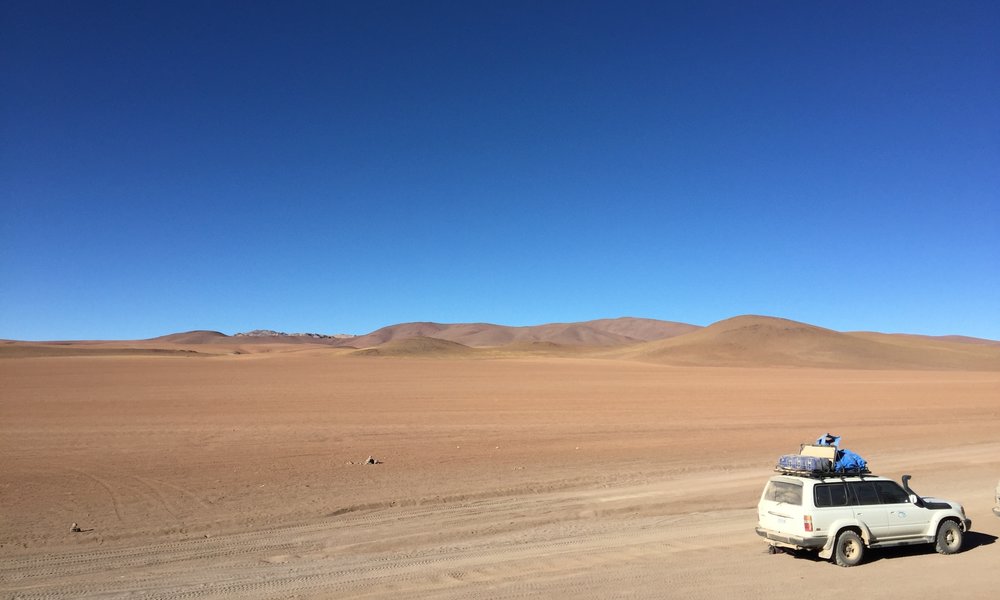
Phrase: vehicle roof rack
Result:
[824,474]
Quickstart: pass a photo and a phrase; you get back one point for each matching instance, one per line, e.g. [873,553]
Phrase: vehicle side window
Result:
[783,491]
[891,493]
[864,492]
[830,495]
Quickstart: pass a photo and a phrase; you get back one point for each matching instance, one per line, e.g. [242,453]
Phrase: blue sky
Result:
[338,167]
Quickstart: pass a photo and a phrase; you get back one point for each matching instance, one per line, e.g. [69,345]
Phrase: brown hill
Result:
[755,341]
[418,347]
[646,330]
[740,341]
[394,332]
[569,334]
[929,339]
[199,336]
[602,332]
[964,339]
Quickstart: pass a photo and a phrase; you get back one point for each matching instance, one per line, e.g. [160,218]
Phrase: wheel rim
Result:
[950,538]
[850,549]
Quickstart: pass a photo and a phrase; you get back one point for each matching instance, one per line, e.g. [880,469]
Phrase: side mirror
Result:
[913,498]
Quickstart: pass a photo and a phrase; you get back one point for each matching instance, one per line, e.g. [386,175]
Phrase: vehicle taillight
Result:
[807,522]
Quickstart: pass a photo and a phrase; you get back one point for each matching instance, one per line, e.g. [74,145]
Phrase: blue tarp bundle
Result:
[849,461]
[846,460]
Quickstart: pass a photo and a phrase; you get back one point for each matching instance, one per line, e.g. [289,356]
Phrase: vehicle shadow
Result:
[971,541]
[975,539]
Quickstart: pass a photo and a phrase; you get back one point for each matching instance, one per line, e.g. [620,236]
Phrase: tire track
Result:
[107,488]
[519,536]
[201,503]
[604,544]
[157,497]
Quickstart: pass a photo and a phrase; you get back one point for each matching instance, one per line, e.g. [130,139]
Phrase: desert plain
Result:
[220,468]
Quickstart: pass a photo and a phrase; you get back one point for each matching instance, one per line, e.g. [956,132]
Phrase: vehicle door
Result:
[905,518]
[868,509]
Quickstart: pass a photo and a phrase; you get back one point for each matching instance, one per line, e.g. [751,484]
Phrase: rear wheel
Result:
[949,538]
[849,550]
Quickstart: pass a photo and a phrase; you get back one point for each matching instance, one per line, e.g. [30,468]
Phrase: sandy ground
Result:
[240,476]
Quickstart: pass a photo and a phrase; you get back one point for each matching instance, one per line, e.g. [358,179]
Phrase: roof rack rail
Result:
[824,474]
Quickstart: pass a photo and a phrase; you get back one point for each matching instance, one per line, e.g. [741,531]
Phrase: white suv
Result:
[841,516]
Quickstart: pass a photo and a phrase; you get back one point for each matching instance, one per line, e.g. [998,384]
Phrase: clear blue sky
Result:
[337,167]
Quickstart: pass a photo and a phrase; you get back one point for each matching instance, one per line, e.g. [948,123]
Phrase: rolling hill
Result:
[598,333]
[418,347]
[759,341]
[744,341]
[199,336]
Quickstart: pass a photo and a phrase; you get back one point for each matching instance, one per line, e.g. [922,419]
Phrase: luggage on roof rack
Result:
[802,464]
[820,460]
[811,459]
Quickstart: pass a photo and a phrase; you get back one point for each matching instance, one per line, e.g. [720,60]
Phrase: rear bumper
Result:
[812,543]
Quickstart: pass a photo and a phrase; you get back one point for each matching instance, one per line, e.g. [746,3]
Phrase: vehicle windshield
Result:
[784,491]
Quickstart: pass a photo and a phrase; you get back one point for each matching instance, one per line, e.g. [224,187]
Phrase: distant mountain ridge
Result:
[743,341]
[599,333]
[272,333]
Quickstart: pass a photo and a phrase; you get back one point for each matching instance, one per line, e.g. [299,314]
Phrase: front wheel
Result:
[949,538]
[849,550]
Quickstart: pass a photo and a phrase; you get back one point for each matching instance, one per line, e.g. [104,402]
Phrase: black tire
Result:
[849,550]
[949,538]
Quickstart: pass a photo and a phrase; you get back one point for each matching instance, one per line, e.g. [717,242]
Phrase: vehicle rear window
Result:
[784,491]
[830,495]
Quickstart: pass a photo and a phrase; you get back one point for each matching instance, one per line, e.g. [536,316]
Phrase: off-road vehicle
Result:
[841,515]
